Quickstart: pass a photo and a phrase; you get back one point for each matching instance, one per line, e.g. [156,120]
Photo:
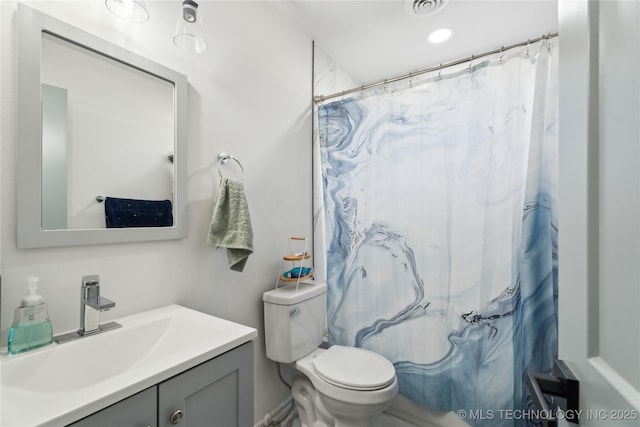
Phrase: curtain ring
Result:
[469,67]
[527,54]
[440,73]
[501,55]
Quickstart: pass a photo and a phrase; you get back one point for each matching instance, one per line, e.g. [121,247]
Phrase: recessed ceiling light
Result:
[440,35]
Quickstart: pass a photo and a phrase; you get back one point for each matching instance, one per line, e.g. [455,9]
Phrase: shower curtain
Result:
[436,228]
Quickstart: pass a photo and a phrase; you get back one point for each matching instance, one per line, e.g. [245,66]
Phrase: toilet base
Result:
[313,412]
[310,409]
[348,415]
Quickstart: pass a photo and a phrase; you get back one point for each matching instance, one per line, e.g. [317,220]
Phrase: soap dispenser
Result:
[31,325]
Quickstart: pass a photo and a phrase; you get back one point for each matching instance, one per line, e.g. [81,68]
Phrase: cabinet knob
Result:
[176,417]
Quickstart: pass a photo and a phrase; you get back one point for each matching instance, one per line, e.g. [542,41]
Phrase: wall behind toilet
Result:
[249,95]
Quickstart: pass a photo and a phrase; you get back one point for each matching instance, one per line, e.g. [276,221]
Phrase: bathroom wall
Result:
[328,76]
[249,95]
[599,291]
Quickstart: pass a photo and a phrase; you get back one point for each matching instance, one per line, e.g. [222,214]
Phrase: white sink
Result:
[62,383]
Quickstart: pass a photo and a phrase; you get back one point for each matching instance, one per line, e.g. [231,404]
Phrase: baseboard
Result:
[278,413]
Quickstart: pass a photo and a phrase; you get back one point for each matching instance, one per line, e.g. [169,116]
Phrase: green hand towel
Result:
[231,224]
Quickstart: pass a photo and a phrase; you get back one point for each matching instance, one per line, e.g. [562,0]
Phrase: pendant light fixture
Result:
[189,33]
[129,10]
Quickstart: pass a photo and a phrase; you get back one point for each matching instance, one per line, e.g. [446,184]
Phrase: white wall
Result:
[619,196]
[249,95]
[328,76]
[599,236]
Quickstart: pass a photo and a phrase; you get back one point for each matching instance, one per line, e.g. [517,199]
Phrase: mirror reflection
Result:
[108,137]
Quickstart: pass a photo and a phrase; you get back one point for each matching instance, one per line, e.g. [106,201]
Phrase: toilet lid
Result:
[354,368]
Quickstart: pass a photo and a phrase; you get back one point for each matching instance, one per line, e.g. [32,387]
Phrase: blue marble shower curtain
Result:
[438,217]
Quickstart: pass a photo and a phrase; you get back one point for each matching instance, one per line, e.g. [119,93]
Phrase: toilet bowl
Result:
[339,386]
[354,385]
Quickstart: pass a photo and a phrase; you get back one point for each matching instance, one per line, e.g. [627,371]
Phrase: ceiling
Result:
[377,39]
[371,39]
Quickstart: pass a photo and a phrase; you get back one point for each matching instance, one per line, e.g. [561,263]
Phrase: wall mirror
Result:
[101,148]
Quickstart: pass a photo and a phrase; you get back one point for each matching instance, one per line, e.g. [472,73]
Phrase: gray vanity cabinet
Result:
[216,393]
[138,410]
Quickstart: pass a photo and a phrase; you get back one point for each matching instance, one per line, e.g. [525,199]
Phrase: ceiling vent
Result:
[424,7]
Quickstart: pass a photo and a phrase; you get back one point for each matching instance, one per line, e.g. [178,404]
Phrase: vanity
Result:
[164,367]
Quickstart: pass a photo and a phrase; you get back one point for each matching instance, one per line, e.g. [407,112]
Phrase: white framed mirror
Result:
[101,140]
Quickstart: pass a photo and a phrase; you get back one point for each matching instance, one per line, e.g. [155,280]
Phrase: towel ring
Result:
[223,158]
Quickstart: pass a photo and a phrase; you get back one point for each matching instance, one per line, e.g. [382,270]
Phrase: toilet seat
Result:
[354,368]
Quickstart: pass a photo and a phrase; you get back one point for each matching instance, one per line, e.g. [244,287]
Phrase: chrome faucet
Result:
[91,304]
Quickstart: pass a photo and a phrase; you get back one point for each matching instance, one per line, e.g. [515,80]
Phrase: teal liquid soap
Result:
[31,326]
[30,336]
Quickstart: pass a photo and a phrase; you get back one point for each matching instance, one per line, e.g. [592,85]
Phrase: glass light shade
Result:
[189,31]
[129,10]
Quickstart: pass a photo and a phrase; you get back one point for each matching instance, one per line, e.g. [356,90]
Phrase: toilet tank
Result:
[294,320]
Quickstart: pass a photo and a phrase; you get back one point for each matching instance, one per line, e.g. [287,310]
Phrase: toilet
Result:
[339,386]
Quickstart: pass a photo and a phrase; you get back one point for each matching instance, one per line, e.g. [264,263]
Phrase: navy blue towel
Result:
[123,213]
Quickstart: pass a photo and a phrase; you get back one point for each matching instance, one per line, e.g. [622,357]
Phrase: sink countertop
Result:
[63,383]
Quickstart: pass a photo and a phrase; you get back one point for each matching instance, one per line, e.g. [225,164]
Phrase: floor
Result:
[386,421]
[391,421]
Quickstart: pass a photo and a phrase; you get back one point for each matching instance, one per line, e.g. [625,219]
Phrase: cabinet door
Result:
[139,410]
[217,393]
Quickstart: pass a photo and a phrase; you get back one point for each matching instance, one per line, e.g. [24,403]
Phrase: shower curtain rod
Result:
[321,98]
